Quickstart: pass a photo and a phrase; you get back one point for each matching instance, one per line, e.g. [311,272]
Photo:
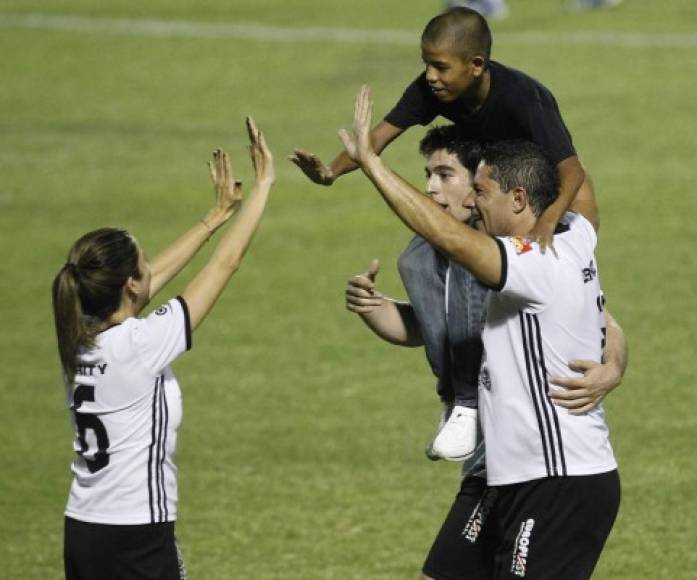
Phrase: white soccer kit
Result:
[548,311]
[126,408]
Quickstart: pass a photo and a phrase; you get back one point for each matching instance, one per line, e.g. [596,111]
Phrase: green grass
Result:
[301,448]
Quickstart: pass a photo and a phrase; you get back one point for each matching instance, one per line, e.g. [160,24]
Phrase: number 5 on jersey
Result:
[98,459]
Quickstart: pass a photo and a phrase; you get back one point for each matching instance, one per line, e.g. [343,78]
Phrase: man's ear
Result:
[519,199]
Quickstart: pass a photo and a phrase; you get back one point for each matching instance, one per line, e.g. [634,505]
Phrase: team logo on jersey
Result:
[476,522]
[521,245]
[161,310]
[521,548]
[589,273]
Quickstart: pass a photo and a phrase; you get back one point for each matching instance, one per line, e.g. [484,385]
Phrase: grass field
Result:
[300,454]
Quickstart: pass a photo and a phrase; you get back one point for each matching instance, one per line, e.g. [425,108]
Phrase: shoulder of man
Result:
[577,227]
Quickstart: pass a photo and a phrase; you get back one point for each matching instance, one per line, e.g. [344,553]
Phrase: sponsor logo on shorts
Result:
[521,548]
[161,310]
[481,511]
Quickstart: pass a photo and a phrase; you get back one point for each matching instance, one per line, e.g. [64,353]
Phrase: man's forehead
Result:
[443,157]
[482,171]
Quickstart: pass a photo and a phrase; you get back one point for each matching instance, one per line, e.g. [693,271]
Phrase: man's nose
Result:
[469,200]
[432,186]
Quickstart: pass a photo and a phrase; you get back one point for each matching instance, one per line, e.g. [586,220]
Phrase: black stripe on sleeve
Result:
[504,267]
[187,321]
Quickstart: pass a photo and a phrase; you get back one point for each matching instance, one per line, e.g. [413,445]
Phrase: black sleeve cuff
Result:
[504,267]
[398,121]
[187,321]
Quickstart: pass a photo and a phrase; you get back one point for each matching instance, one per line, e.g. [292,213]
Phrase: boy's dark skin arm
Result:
[572,178]
[381,136]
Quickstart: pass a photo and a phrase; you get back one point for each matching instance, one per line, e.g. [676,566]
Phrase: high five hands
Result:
[228,189]
[311,166]
[357,141]
[262,160]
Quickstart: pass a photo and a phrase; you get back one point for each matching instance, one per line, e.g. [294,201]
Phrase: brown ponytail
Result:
[88,289]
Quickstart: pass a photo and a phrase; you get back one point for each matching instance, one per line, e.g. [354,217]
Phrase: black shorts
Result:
[121,552]
[546,529]
[465,546]
[555,528]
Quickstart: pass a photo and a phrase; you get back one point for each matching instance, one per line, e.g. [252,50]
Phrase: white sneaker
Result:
[444,416]
[457,440]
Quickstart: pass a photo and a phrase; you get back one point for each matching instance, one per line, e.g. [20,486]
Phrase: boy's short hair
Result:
[523,164]
[465,29]
[448,137]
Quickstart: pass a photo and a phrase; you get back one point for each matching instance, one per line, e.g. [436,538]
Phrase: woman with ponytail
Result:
[124,400]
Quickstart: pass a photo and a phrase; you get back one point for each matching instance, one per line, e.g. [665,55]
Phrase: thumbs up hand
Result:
[361,294]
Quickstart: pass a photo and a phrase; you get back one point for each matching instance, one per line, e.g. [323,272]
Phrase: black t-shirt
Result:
[517,107]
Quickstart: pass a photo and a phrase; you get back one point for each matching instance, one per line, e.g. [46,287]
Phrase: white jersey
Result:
[126,408]
[547,311]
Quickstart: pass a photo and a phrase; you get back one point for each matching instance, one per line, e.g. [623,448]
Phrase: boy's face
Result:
[450,184]
[449,76]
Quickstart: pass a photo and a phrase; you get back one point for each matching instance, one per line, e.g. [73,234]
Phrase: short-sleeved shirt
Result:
[517,107]
[546,312]
[126,408]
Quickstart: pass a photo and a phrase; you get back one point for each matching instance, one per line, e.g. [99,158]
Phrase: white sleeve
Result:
[163,335]
[527,275]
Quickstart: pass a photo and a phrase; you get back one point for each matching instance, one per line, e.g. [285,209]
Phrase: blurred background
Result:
[301,451]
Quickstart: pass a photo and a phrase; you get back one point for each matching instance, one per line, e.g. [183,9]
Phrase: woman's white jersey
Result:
[547,311]
[126,408]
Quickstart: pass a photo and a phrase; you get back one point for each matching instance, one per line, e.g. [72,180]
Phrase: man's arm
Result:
[381,136]
[585,393]
[471,249]
[392,321]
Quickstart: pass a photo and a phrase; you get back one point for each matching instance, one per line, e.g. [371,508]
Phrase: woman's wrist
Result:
[215,218]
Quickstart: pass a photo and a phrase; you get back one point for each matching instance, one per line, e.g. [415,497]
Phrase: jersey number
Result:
[86,421]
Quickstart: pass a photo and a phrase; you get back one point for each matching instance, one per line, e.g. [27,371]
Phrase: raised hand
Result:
[585,393]
[313,167]
[262,160]
[228,190]
[357,142]
[361,295]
